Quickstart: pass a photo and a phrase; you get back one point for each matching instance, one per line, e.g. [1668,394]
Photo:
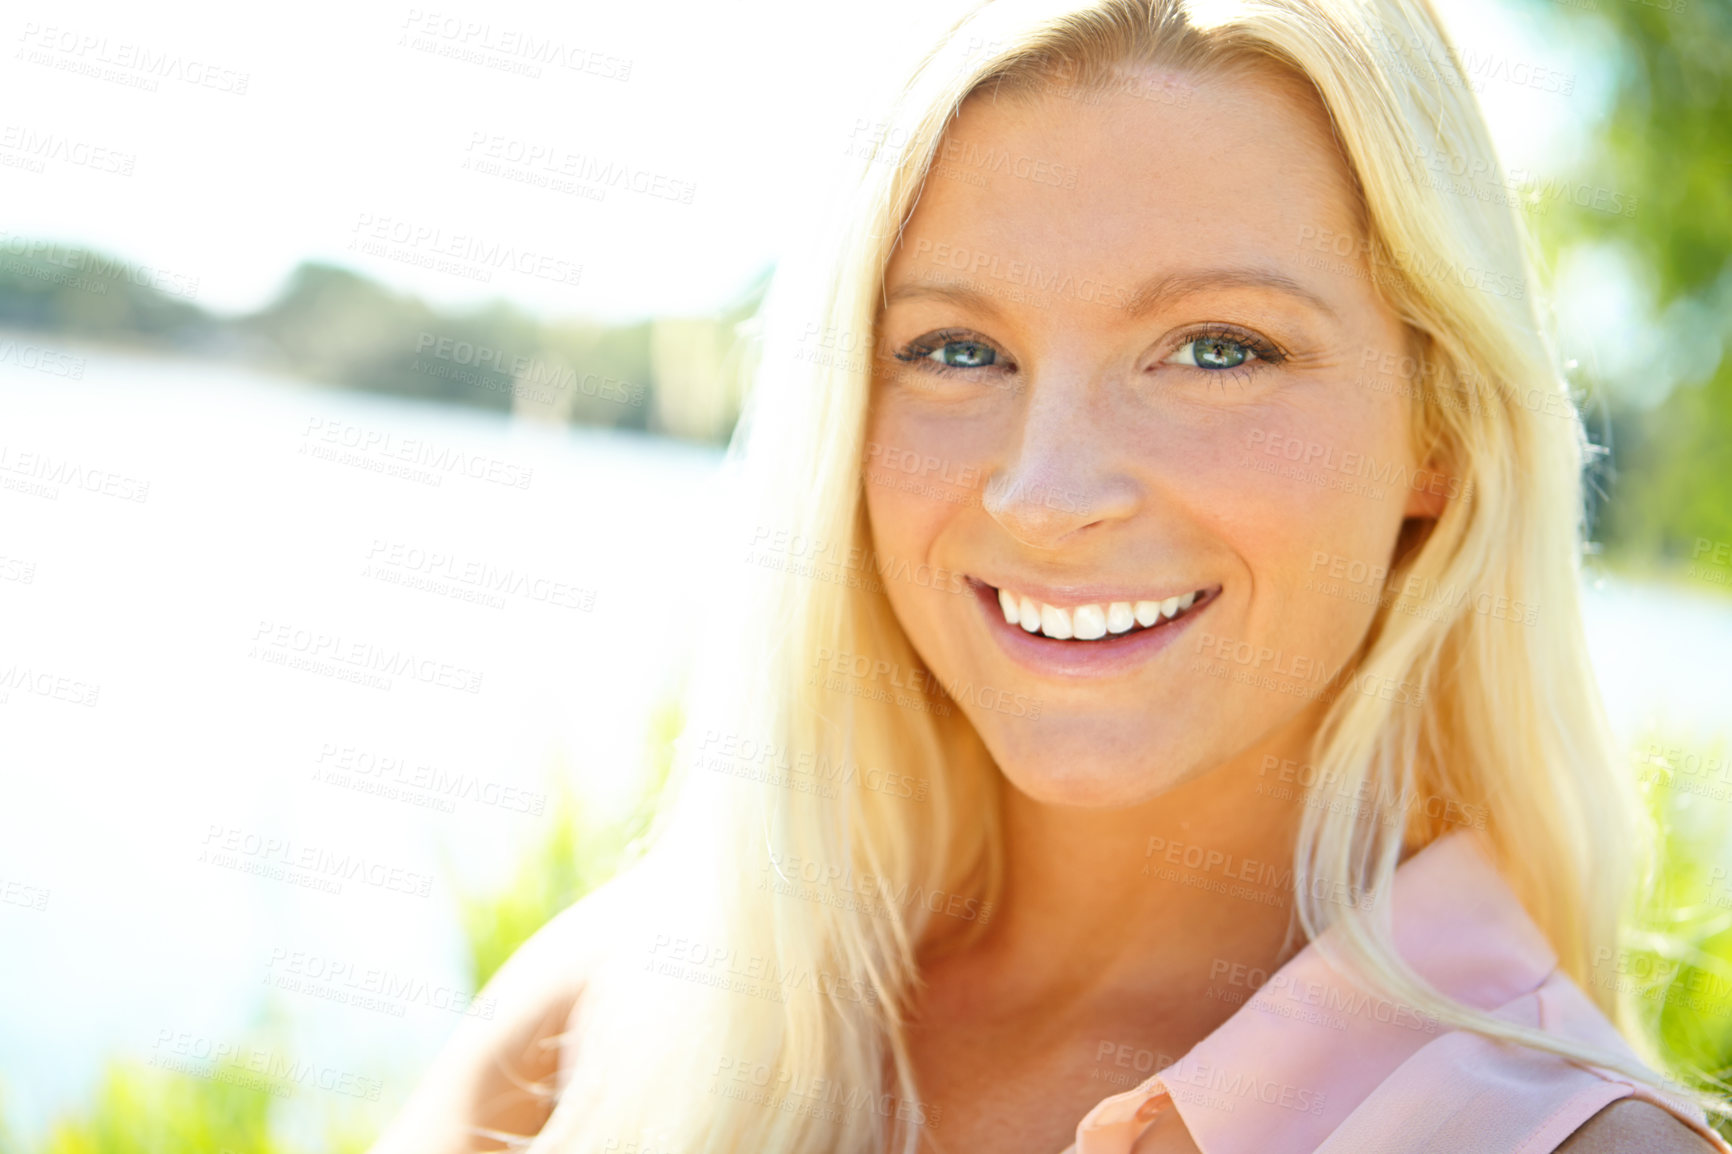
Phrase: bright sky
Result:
[345,120]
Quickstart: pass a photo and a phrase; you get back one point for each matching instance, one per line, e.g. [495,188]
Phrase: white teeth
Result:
[1088,622]
[1119,617]
[1028,614]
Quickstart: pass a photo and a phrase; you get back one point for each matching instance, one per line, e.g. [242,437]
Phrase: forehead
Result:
[1174,171]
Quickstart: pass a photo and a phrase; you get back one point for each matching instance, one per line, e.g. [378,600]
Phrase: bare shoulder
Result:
[1632,1126]
[496,1071]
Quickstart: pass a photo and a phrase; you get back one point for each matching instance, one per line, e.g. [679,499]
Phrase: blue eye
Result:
[950,350]
[963,355]
[1213,352]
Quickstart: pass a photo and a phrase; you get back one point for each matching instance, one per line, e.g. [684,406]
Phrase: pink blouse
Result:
[1312,1063]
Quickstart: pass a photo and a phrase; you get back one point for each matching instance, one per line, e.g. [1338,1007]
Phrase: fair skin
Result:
[1115,462]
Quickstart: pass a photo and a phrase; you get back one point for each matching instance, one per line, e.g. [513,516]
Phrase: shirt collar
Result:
[1304,1050]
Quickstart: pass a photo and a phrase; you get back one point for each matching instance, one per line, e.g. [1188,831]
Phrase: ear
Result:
[1429,491]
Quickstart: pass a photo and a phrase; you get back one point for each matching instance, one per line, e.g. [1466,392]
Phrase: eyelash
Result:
[1268,354]
[917,351]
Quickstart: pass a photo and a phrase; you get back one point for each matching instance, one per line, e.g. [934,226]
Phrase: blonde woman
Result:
[1148,708]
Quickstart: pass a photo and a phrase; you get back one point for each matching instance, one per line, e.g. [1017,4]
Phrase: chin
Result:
[1084,773]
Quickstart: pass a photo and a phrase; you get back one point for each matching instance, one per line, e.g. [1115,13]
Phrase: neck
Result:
[1170,895]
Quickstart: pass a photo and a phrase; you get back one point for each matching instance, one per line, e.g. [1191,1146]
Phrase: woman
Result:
[1153,711]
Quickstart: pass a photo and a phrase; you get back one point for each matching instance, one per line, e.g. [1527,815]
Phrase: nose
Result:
[1063,475]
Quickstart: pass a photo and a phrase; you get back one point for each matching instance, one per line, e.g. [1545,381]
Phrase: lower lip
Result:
[1107,657]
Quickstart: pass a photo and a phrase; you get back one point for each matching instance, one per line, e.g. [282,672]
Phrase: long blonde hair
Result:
[758,1000]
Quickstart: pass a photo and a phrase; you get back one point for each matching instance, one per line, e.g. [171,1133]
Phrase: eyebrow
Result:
[1144,299]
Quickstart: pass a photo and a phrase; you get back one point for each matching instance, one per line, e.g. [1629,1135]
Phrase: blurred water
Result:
[174,608]
[198,742]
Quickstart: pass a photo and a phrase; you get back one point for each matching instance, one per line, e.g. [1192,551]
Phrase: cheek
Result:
[1316,501]
[905,486]
[1293,475]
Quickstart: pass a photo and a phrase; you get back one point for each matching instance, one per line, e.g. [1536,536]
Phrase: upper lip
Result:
[1071,596]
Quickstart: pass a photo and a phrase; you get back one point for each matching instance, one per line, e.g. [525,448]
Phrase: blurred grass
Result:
[138,1108]
[576,855]
[1680,934]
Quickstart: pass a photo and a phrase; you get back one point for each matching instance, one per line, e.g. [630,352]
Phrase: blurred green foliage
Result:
[332,325]
[74,290]
[1667,142]
[141,1110]
[138,1108]
[576,855]
[1662,159]
[1679,980]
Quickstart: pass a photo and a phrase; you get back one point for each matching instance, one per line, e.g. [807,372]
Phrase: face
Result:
[1120,396]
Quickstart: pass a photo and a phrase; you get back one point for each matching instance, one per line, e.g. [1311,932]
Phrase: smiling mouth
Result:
[1100,621]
